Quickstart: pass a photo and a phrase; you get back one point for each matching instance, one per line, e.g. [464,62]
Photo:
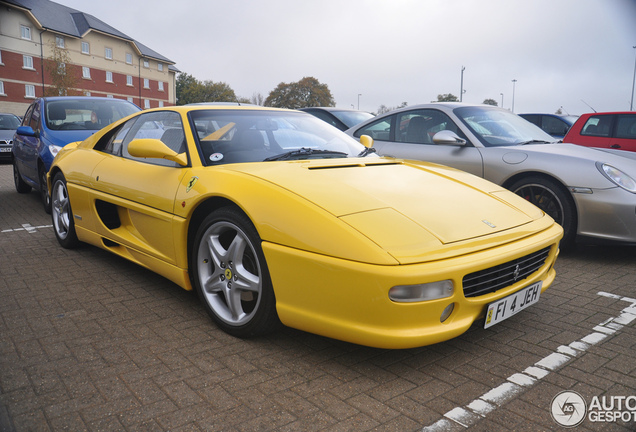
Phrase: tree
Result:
[63,80]
[307,92]
[257,99]
[449,97]
[384,109]
[490,102]
[191,90]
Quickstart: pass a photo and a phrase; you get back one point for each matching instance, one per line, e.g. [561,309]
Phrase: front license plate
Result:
[5,149]
[508,306]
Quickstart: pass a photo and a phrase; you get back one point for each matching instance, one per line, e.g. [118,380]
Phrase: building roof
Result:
[68,21]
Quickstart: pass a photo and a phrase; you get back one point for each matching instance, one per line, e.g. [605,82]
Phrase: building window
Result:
[86,72]
[130,99]
[129,58]
[160,67]
[86,48]
[87,93]
[59,41]
[146,103]
[109,76]
[146,83]
[160,85]
[129,81]
[27,62]
[146,64]
[108,53]
[1,64]
[61,68]
[160,104]
[29,91]
[110,96]
[2,89]
[25,32]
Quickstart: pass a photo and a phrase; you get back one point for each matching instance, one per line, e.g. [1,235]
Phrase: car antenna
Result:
[588,105]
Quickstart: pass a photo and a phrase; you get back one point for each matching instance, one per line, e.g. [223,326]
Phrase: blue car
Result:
[554,124]
[48,125]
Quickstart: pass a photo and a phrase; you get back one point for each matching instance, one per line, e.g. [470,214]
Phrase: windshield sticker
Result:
[191,183]
[215,157]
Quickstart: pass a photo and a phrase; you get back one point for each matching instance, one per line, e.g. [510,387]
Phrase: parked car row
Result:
[402,231]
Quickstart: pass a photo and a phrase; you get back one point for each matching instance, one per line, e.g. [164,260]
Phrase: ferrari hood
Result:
[400,205]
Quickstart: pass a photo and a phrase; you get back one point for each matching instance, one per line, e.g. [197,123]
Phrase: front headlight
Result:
[54,150]
[618,177]
[421,292]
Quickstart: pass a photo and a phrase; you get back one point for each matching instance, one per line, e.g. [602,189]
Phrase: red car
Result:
[615,130]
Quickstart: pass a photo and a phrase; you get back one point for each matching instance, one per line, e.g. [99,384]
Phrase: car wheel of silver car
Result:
[61,214]
[231,276]
[20,185]
[552,198]
[44,190]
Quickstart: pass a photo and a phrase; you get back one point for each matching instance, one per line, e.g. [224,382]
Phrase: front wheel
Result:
[62,215]
[231,276]
[553,199]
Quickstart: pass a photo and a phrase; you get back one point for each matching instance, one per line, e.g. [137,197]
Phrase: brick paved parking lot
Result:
[89,341]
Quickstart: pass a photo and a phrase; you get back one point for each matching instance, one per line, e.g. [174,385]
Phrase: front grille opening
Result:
[495,278]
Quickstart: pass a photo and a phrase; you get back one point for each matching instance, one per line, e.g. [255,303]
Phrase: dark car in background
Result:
[341,118]
[555,125]
[48,125]
[8,125]
[614,130]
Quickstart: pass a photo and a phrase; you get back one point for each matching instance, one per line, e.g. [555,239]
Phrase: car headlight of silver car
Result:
[421,292]
[616,176]
[54,150]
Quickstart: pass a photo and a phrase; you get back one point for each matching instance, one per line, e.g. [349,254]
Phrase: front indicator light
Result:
[422,292]
[447,312]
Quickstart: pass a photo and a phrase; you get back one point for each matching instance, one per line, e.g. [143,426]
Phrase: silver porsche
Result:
[590,192]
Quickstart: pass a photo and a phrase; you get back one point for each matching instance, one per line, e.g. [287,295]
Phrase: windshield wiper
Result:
[367,151]
[535,142]
[302,152]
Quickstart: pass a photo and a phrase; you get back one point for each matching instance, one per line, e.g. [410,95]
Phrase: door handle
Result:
[615,146]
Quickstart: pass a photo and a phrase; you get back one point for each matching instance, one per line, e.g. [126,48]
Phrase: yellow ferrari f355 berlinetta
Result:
[274,216]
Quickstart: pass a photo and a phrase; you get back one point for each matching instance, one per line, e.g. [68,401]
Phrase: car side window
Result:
[26,120]
[419,126]
[35,118]
[626,126]
[600,126]
[112,142]
[554,126]
[379,130]
[165,126]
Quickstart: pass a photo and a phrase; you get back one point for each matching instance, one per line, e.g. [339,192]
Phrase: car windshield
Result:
[86,114]
[352,118]
[497,127]
[234,136]
[9,122]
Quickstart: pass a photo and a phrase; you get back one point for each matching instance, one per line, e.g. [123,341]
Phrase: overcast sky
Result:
[563,53]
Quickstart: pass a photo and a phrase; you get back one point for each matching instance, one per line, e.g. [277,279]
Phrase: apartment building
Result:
[100,60]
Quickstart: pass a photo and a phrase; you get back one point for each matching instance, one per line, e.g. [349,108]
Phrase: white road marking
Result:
[27,227]
[464,417]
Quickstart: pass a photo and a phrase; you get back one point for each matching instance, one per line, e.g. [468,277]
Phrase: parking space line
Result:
[460,418]
[27,227]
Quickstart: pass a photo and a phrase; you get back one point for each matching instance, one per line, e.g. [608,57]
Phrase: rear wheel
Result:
[554,200]
[62,215]
[231,276]
[20,185]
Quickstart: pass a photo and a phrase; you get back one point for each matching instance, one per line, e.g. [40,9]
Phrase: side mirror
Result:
[366,141]
[25,130]
[156,149]
[447,137]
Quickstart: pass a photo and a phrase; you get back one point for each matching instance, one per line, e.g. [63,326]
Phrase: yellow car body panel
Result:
[337,234]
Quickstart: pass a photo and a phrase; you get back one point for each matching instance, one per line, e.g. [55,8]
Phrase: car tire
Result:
[554,200]
[230,274]
[44,190]
[20,184]
[62,215]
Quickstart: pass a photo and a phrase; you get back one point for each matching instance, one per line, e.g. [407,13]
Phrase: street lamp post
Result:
[461,85]
[631,105]
[514,82]
[501,99]
[359,94]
